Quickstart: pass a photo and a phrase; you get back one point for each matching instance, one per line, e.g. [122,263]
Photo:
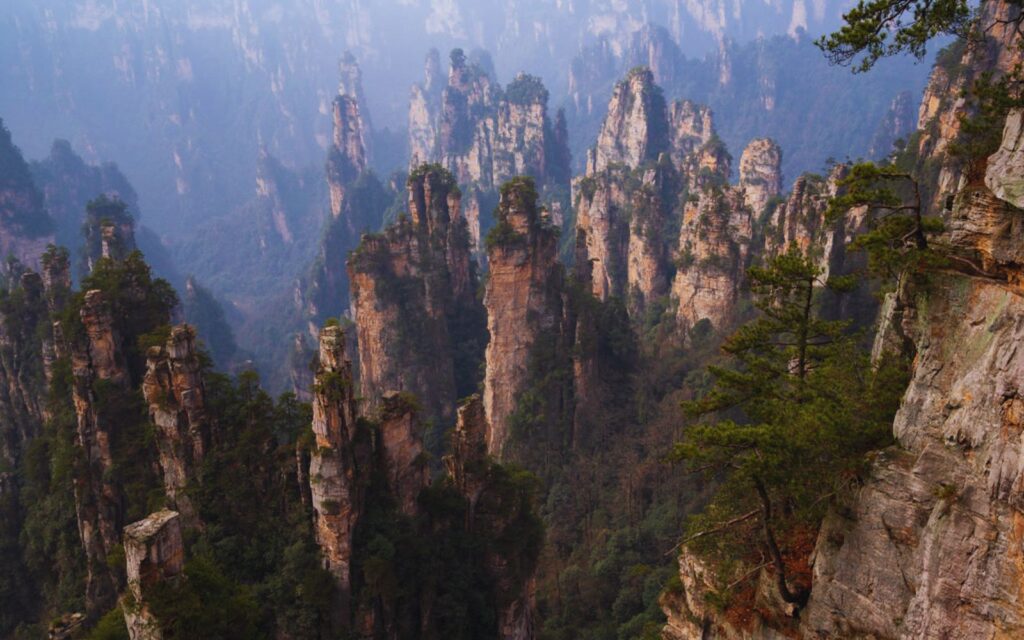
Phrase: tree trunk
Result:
[773,548]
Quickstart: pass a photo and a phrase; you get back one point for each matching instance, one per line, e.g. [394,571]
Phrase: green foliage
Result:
[333,385]
[206,604]
[988,101]
[800,400]
[898,235]
[875,29]
[102,212]
[526,90]
[539,426]
[434,569]
[519,193]
[442,181]
[139,303]
[503,235]
[255,556]
[110,627]
[49,537]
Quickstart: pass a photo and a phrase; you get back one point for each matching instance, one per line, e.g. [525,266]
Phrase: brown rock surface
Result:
[173,387]
[714,248]
[97,357]
[154,553]
[761,173]
[408,285]
[333,472]
[523,300]
[401,440]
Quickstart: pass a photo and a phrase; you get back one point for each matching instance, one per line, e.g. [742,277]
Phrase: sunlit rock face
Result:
[334,478]
[523,298]
[915,560]
[173,388]
[761,173]
[943,104]
[413,293]
[714,250]
[636,126]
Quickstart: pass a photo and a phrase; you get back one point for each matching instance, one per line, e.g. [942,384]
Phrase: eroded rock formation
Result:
[154,553]
[484,134]
[96,357]
[761,173]
[401,442]
[714,251]
[413,287]
[173,387]
[524,303]
[109,231]
[475,476]
[636,127]
[929,548]
[336,490]
[346,158]
[357,202]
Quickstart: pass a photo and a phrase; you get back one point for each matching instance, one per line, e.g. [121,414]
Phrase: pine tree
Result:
[899,235]
[786,424]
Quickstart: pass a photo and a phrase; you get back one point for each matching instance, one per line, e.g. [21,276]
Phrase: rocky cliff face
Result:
[96,358]
[939,561]
[25,226]
[413,287]
[929,550]
[691,126]
[154,553]
[944,102]
[346,158]
[173,387]
[424,99]
[28,351]
[335,486]
[359,474]
[636,125]
[929,546]
[621,219]
[24,366]
[401,441]
[899,122]
[602,221]
[357,205]
[761,173]
[646,156]
[714,250]
[485,134]
[524,303]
